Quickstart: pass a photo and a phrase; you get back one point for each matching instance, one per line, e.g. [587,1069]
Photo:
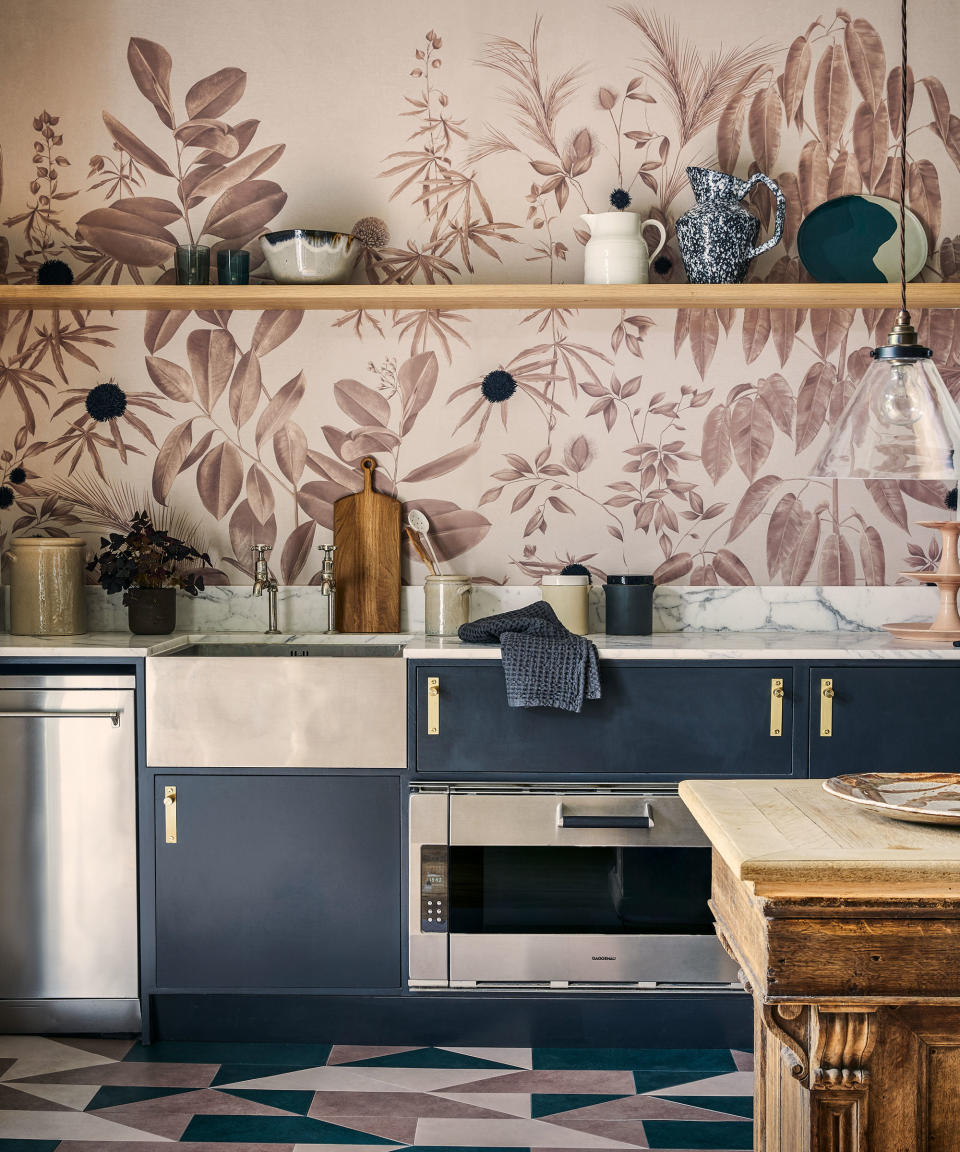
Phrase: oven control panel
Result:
[434,887]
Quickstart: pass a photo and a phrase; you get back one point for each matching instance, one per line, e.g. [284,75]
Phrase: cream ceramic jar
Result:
[46,586]
[568,596]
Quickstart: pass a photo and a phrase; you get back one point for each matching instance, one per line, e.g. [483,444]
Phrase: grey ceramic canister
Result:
[717,235]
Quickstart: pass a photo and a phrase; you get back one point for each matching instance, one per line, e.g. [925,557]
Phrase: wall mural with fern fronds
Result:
[674,442]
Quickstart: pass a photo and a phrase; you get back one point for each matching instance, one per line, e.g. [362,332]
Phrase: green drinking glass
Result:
[192,263]
[233,266]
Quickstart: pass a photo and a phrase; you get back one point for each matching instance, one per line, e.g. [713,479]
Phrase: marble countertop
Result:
[759,645]
[791,837]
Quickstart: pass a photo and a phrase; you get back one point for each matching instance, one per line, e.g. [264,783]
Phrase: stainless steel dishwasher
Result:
[68,866]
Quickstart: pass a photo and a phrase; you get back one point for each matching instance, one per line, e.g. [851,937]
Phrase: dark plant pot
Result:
[152,611]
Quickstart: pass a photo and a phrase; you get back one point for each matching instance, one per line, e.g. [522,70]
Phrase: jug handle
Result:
[651,223]
[760,178]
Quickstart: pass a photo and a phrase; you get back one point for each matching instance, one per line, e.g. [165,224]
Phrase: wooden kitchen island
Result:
[846,926]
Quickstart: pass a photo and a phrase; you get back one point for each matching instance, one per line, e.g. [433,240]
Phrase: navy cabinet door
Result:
[885,718]
[279,882]
[668,722]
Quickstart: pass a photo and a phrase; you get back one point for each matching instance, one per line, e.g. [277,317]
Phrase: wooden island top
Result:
[846,927]
[787,837]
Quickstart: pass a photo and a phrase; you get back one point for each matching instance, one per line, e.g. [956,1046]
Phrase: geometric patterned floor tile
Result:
[428,1058]
[75,1096]
[513,1133]
[273,1129]
[108,1095]
[730,1105]
[709,1060]
[296,1102]
[712,1135]
[548,1104]
[347,1053]
[149,1075]
[204,1052]
[231,1073]
[513,1057]
[731,1084]
[35,1055]
[605,1081]
[506,1103]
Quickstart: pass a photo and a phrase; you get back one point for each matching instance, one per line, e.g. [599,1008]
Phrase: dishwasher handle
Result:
[643,819]
[113,715]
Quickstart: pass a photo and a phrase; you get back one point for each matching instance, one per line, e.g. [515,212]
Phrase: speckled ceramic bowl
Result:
[310,256]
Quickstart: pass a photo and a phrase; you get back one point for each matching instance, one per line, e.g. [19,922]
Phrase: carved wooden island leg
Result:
[857,1018]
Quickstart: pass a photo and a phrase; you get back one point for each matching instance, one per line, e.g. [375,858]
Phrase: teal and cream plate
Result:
[855,240]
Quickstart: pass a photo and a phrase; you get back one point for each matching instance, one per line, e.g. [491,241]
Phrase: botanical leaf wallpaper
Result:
[670,442]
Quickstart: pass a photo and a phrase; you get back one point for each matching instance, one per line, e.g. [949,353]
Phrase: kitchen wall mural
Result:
[675,442]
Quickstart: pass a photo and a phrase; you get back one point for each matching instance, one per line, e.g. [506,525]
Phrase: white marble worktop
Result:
[754,645]
[760,645]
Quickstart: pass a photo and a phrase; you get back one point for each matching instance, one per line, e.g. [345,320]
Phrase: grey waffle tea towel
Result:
[545,665]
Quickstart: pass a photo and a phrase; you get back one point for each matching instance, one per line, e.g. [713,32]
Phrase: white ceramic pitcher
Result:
[616,252]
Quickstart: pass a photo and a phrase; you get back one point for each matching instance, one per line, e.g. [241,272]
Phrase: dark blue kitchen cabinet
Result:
[667,722]
[881,717]
[278,882]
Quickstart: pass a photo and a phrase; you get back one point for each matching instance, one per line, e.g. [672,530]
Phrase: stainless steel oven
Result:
[560,887]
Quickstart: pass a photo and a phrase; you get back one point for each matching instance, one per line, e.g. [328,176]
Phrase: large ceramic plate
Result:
[921,797]
[855,240]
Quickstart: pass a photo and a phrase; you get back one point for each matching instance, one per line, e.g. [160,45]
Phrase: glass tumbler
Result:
[233,266]
[193,264]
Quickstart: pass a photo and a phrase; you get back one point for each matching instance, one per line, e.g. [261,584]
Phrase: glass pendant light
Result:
[901,421]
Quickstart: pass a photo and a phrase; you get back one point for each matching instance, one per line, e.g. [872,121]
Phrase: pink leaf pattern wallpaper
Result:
[671,442]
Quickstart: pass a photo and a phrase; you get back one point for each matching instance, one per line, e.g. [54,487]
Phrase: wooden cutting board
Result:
[366,531]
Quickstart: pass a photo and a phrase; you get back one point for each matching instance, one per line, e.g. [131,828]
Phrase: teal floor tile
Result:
[203,1052]
[712,1060]
[36,1145]
[732,1105]
[113,1094]
[236,1073]
[547,1103]
[287,1100]
[273,1130]
[715,1135]
[656,1079]
[428,1058]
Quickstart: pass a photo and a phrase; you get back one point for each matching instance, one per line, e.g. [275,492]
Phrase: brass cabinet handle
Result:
[170,814]
[433,705]
[826,707]
[776,707]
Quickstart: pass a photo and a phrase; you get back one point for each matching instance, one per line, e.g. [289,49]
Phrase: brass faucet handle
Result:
[261,550]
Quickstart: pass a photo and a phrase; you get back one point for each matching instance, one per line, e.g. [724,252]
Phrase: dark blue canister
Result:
[629,604]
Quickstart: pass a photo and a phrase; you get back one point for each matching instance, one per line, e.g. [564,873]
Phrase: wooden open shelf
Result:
[529,297]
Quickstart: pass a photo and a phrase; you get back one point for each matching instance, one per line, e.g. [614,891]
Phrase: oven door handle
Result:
[643,819]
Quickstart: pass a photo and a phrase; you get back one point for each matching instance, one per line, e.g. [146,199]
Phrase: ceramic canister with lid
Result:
[629,605]
[446,604]
[47,586]
[568,596]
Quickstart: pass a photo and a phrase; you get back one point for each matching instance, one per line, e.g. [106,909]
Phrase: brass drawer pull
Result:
[433,705]
[826,707]
[170,814]
[776,707]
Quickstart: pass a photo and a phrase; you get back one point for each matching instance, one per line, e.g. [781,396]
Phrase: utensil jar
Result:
[46,586]
[446,604]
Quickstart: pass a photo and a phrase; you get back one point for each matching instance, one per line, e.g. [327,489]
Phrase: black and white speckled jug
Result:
[717,234]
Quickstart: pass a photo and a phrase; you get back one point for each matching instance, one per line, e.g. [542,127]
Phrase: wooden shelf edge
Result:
[528,297]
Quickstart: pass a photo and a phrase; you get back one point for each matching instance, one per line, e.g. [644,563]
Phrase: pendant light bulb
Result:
[898,401]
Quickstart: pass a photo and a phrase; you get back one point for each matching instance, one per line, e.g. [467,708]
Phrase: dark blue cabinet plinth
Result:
[279,882]
[662,722]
